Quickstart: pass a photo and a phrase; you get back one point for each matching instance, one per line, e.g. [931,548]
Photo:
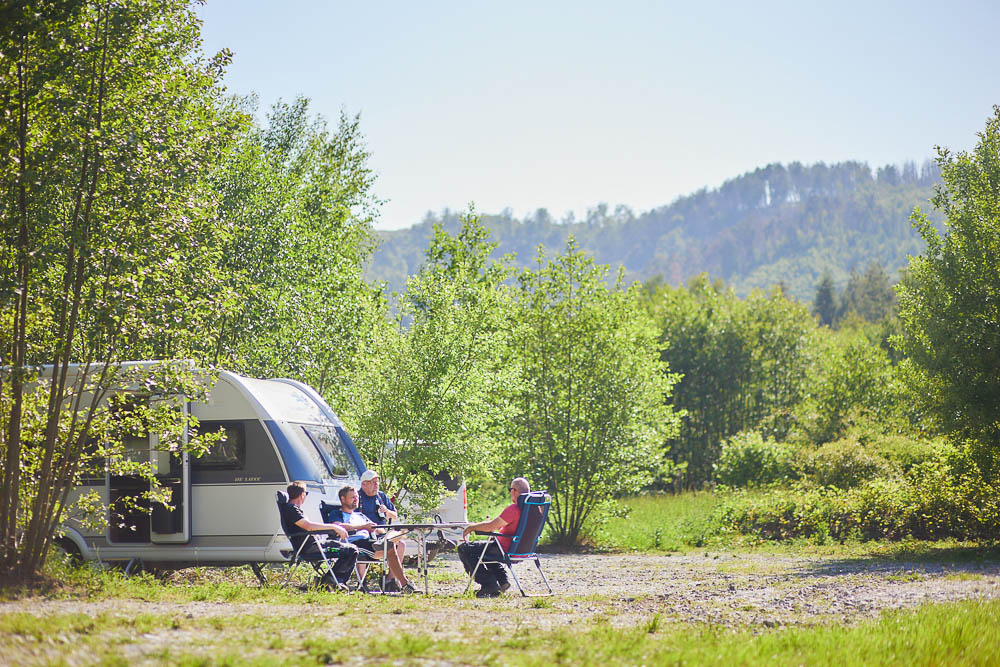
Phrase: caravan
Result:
[223,511]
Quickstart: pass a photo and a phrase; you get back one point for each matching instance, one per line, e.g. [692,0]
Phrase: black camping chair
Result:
[534,512]
[365,557]
[318,559]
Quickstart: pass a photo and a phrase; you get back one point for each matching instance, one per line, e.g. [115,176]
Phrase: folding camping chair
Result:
[365,557]
[534,511]
[318,559]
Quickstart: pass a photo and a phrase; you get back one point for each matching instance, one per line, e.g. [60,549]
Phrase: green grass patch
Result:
[931,635]
[954,633]
[662,523]
[697,520]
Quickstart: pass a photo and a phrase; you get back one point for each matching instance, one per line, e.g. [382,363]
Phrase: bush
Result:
[747,459]
[904,452]
[935,500]
[846,463]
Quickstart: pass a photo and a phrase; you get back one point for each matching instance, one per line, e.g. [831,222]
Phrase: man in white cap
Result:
[379,508]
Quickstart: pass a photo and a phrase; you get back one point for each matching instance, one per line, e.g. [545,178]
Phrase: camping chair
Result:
[318,559]
[534,511]
[365,557]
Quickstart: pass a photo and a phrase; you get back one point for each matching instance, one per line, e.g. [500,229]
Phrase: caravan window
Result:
[228,454]
[334,453]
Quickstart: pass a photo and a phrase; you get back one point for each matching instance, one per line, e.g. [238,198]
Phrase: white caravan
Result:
[224,512]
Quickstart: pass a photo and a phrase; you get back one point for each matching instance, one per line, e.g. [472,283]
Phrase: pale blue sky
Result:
[564,105]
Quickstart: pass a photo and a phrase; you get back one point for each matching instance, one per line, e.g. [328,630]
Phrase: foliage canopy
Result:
[592,414]
[950,297]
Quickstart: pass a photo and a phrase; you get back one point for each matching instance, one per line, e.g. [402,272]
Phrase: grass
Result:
[92,583]
[684,523]
[284,624]
[661,523]
[954,633]
[935,634]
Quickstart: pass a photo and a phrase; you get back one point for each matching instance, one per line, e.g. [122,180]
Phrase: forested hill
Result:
[779,223]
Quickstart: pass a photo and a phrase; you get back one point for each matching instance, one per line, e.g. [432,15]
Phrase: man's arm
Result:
[485,526]
[306,524]
[388,508]
[355,527]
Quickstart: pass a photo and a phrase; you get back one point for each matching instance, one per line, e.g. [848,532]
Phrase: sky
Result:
[565,105]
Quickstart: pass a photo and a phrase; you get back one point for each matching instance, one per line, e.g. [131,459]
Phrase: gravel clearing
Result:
[726,590]
[730,589]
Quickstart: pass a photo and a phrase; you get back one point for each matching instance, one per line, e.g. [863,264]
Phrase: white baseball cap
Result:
[368,475]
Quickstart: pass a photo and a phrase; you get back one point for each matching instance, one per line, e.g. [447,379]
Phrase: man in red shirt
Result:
[492,578]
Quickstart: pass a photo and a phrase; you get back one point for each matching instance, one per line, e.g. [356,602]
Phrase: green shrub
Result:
[846,463]
[905,452]
[935,500]
[747,459]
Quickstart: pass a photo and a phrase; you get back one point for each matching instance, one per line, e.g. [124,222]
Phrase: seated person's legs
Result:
[395,563]
[400,549]
[393,560]
[498,570]
[347,555]
[468,553]
[486,576]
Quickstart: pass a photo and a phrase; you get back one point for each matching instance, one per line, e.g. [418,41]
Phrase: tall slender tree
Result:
[825,303]
[111,121]
[431,398]
[297,198]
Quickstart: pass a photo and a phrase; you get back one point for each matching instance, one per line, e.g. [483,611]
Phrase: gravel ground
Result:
[727,589]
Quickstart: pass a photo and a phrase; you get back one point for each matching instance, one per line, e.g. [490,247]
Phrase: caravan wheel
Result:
[65,550]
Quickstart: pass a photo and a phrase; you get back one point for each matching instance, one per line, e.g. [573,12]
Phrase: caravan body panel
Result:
[277,431]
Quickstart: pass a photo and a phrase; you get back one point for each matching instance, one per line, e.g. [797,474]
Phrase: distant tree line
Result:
[897,436]
[781,223]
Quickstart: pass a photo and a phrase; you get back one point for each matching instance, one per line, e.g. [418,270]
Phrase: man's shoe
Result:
[332,583]
[409,589]
[504,585]
[488,593]
[391,586]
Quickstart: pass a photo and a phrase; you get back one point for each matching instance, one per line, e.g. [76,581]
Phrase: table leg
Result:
[423,548]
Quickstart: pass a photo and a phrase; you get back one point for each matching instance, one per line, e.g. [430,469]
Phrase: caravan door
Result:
[171,525]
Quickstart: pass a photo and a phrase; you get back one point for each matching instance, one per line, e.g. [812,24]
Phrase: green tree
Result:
[592,415]
[429,401]
[742,364]
[950,296]
[297,197]
[851,377]
[825,303]
[110,246]
[869,295]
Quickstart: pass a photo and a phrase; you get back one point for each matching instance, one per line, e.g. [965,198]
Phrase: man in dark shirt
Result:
[492,578]
[378,507]
[346,554]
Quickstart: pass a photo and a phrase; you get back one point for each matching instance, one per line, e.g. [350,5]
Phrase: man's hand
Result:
[341,533]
